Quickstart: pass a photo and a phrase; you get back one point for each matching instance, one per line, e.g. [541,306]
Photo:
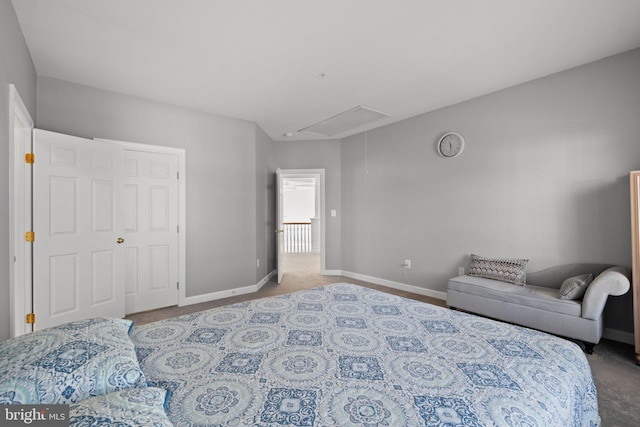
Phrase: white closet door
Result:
[78,265]
[150,210]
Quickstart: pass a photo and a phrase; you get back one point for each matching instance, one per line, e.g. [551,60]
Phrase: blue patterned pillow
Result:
[132,407]
[69,363]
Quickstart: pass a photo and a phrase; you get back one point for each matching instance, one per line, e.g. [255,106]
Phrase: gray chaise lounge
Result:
[538,305]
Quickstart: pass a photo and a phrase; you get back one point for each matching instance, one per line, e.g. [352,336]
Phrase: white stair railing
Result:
[297,237]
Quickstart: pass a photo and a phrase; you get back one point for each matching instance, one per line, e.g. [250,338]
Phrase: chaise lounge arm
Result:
[613,281]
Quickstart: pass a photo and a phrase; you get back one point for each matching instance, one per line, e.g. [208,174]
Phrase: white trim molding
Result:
[395,285]
[618,335]
[20,255]
[212,296]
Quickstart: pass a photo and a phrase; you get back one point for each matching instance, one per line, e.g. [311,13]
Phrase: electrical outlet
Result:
[460,271]
[407,263]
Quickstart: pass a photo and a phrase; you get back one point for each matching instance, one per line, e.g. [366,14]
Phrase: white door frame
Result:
[182,223]
[320,175]
[279,228]
[20,255]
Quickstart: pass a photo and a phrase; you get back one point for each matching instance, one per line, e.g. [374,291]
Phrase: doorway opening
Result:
[301,222]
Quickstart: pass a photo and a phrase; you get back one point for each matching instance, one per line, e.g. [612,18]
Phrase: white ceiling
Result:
[287,64]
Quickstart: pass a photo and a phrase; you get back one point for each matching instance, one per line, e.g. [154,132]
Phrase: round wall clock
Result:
[450,145]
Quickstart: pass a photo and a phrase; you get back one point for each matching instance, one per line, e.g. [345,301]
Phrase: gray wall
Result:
[318,155]
[220,176]
[265,205]
[544,176]
[16,68]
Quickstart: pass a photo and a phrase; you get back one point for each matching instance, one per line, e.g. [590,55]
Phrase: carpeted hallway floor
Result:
[616,375]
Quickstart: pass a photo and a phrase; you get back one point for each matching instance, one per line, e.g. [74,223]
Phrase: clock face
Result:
[451,144]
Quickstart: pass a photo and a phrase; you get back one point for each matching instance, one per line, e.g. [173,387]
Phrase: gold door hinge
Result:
[31,318]
[29,236]
[29,158]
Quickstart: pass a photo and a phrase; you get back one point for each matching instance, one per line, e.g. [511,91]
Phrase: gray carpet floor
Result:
[613,367]
[617,379]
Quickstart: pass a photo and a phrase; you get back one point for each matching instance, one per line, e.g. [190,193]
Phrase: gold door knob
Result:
[120,240]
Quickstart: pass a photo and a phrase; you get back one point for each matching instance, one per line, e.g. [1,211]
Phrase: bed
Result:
[338,355]
[345,355]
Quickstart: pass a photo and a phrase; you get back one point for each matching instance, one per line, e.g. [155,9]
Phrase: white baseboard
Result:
[265,279]
[229,292]
[391,284]
[618,335]
[331,272]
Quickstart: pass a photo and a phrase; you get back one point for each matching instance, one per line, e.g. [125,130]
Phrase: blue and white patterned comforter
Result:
[344,355]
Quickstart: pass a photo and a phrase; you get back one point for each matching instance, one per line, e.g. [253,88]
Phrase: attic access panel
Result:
[345,121]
